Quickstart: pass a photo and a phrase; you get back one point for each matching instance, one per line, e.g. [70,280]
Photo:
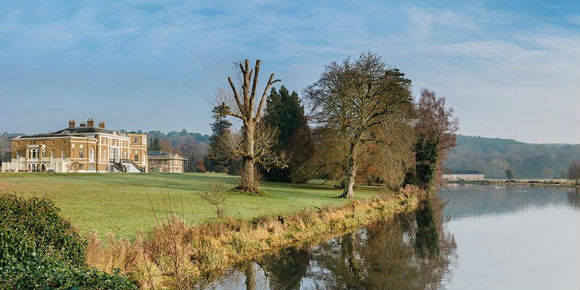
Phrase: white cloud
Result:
[488,62]
[424,20]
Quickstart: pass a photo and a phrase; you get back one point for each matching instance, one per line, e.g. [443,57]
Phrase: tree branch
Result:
[236,96]
[254,85]
[270,82]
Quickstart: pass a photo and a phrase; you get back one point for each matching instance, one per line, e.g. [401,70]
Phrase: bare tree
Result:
[574,171]
[353,99]
[216,196]
[436,121]
[254,139]
[73,166]
[4,148]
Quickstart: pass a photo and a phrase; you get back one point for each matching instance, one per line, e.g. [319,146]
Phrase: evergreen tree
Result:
[285,112]
[426,158]
[218,157]
[154,145]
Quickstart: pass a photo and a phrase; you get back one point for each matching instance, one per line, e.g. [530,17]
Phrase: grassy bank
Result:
[119,204]
[177,256]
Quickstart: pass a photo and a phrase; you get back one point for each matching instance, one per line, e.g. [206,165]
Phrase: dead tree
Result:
[242,105]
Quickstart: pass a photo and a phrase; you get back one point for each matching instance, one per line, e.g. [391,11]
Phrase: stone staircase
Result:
[131,166]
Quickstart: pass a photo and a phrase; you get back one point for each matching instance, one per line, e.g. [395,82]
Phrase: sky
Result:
[510,69]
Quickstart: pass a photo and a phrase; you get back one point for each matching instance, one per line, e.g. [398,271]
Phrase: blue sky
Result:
[510,69]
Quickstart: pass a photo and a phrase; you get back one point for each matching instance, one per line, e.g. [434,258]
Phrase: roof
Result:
[469,171]
[77,131]
[156,153]
[167,155]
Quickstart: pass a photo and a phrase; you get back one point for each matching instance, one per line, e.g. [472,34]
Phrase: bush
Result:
[41,250]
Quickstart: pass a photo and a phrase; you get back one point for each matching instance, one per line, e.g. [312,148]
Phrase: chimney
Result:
[83,124]
[90,123]
[71,123]
[102,124]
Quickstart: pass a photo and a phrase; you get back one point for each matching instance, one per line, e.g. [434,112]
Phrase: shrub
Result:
[41,250]
[216,196]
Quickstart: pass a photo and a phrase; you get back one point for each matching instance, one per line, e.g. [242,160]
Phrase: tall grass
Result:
[174,255]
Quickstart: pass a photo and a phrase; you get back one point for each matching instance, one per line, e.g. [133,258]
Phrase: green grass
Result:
[118,203]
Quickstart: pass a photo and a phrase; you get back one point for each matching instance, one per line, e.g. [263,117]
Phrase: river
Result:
[469,237]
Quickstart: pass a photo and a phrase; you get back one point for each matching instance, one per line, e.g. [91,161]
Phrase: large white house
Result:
[85,148]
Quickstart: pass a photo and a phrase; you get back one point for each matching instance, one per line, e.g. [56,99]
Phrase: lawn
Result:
[119,203]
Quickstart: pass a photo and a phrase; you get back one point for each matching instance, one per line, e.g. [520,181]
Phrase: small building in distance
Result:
[166,162]
[82,148]
[465,175]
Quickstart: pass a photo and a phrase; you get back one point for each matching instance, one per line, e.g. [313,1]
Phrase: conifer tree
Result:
[285,112]
[154,145]
[218,157]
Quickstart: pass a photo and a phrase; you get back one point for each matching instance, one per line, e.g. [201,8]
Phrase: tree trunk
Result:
[350,173]
[248,182]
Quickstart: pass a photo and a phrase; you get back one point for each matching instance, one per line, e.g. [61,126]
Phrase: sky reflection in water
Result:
[472,237]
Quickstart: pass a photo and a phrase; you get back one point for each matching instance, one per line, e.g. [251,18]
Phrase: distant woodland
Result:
[493,156]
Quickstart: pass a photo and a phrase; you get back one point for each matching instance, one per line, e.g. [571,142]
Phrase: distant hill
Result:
[493,156]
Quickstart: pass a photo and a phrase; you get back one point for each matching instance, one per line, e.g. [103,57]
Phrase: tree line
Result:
[495,156]
[191,146]
[360,124]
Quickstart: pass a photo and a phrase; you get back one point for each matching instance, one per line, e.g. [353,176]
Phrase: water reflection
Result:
[480,200]
[574,198]
[514,237]
[410,252]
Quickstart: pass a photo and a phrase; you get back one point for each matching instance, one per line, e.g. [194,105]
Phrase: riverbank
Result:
[123,204]
[526,182]
[177,256]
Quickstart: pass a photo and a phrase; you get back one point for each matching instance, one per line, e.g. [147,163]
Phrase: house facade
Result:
[83,148]
[166,162]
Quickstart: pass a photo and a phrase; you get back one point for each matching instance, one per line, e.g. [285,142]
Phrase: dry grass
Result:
[177,256]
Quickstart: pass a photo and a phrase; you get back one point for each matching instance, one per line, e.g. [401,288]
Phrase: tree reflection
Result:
[285,270]
[409,252]
[426,237]
[574,198]
[250,276]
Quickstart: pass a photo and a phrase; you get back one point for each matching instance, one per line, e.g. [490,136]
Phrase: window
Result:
[136,157]
[62,154]
[104,157]
[43,153]
[81,154]
[91,154]
[136,140]
[52,153]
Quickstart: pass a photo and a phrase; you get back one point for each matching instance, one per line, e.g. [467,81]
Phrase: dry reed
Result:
[174,255]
